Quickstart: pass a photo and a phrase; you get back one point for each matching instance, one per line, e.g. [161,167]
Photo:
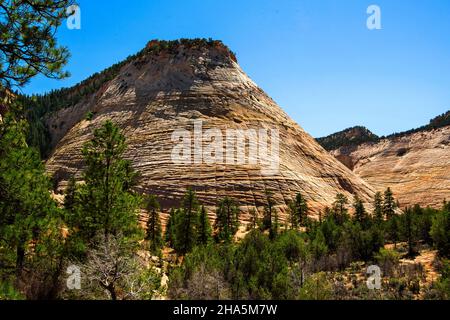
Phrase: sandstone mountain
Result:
[169,86]
[415,164]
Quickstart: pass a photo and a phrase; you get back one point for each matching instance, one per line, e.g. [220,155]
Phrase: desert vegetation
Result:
[97,229]
[95,242]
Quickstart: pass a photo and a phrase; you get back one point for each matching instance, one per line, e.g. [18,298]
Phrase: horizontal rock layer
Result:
[415,166]
[159,93]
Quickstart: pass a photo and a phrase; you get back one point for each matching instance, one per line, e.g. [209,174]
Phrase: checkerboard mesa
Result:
[171,86]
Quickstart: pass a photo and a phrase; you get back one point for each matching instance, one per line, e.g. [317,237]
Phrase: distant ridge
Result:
[358,135]
[349,137]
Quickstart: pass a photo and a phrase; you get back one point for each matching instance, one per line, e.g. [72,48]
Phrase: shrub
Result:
[316,287]
[89,116]
[440,233]
[8,292]
[387,260]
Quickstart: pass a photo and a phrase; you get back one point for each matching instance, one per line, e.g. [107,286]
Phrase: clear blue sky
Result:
[316,58]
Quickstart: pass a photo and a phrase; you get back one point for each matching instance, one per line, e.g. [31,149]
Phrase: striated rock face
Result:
[416,166]
[161,92]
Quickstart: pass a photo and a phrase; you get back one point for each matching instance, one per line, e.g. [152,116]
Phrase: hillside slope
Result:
[170,88]
[415,164]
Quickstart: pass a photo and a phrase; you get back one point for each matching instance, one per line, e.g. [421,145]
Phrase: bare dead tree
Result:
[115,268]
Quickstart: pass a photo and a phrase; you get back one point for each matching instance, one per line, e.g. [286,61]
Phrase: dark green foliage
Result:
[105,202]
[409,230]
[89,116]
[154,231]
[318,245]
[254,269]
[262,267]
[27,211]
[270,219]
[387,259]
[331,232]
[340,210]
[362,243]
[393,229]
[9,292]
[169,235]
[227,219]
[293,246]
[28,46]
[299,211]
[446,206]
[186,229]
[360,214]
[31,242]
[389,204]
[435,123]
[440,232]
[348,137]
[424,220]
[291,265]
[204,228]
[378,207]
[293,221]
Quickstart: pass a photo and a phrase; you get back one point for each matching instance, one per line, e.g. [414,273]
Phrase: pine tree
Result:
[318,246]
[301,210]
[340,209]
[394,229]
[28,45]
[292,216]
[227,219]
[440,233]
[154,232]
[409,230]
[360,210]
[105,202]
[204,228]
[389,204]
[169,236]
[268,212]
[378,207]
[27,211]
[186,231]
[274,230]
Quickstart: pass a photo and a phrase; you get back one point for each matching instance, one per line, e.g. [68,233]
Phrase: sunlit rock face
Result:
[158,93]
[416,166]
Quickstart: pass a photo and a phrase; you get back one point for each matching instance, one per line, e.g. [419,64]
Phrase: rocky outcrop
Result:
[416,165]
[170,89]
[349,137]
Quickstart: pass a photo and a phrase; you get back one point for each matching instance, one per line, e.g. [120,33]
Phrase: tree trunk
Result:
[112,292]
[20,259]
